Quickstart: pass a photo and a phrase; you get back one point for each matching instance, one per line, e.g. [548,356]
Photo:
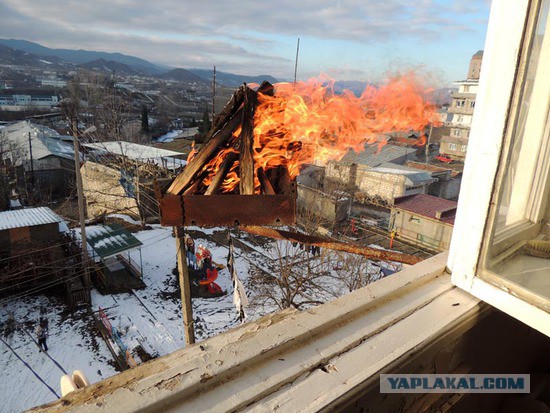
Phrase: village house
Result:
[384,183]
[322,208]
[425,220]
[118,177]
[108,190]
[345,174]
[42,253]
[446,181]
[43,159]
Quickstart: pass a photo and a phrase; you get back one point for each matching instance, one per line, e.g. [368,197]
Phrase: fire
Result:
[213,166]
[307,122]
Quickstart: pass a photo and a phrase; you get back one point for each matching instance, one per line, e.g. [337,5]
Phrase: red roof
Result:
[428,206]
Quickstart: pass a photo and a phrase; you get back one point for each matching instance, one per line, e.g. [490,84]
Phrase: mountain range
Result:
[82,56]
[23,52]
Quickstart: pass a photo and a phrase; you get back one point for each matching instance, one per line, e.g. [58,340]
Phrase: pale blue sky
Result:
[347,39]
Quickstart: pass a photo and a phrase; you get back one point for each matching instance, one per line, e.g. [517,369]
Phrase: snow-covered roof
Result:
[111,239]
[133,150]
[28,217]
[413,176]
[44,141]
[138,152]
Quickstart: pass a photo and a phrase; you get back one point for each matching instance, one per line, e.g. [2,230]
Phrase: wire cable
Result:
[30,368]
[35,342]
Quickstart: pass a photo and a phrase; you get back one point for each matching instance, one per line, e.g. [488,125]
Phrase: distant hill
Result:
[83,56]
[182,75]
[230,79]
[110,67]
[11,56]
[119,63]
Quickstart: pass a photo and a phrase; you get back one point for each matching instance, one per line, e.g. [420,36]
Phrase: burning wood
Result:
[227,159]
[247,143]
[225,167]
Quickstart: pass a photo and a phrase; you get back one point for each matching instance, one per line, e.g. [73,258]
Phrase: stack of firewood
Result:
[230,143]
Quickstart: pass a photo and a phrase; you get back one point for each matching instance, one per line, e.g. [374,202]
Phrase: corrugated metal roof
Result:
[372,156]
[28,217]
[428,206]
[45,141]
[107,240]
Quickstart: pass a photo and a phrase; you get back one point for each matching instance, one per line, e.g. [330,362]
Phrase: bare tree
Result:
[301,276]
[352,271]
[295,279]
[96,102]
[11,155]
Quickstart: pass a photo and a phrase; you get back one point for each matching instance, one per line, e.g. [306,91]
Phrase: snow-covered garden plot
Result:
[274,274]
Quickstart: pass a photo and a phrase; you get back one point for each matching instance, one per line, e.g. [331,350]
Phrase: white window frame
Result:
[452,146]
[496,104]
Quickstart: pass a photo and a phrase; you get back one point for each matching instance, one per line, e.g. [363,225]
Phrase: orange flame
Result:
[213,166]
[231,179]
[307,122]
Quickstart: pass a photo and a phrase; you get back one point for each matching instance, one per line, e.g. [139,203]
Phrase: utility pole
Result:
[214,93]
[428,145]
[183,271]
[32,163]
[80,193]
[296,62]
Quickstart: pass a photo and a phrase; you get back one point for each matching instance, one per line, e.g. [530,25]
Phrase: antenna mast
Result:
[296,62]
[214,93]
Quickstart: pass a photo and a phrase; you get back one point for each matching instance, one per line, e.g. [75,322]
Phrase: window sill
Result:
[497,292]
[292,360]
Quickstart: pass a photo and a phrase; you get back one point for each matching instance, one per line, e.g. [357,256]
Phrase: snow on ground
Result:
[169,136]
[151,316]
[70,343]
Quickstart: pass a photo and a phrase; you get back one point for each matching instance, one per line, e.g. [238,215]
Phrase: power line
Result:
[29,367]
[33,278]
[45,286]
[66,278]
[52,246]
[35,342]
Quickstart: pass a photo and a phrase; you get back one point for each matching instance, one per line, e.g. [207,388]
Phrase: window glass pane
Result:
[529,130]
[519,251]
